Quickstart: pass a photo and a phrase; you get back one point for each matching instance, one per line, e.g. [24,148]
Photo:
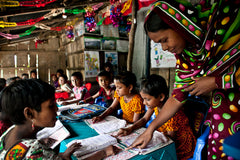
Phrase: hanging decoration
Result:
[74,11]
[5,3]
[38,41]
[30,21]
[69,32]
[27,32]
[125,26]
[115,15]
[36,3]
[58,28]
[42,26]
[53,13]
[127,6]
[95,7]
[7,24]
[129,23]
[89,20]
[9,36]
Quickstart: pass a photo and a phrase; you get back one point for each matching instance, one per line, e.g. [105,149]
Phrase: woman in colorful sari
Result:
[206,43]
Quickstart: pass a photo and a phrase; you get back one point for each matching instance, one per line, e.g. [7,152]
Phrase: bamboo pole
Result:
[132,35]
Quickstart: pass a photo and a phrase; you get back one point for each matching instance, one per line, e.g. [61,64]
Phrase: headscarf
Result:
[214,33]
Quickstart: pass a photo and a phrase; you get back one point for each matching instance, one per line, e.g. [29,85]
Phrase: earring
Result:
[33,126]
[129,91]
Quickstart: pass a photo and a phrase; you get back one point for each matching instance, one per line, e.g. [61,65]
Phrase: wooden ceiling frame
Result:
[53,22]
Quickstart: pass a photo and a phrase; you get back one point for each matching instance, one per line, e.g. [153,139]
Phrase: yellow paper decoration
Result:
[7,24]
[72,22]
[126,6]
[4,3]
[88,9]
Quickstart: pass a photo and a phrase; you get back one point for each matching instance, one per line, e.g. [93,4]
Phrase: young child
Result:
[25,76]
[63,85]
[127,96]
[30,105]
[109,68]
[4,121]
[154,92]
[33,74]
[79,90]
[106,91]
[54,80]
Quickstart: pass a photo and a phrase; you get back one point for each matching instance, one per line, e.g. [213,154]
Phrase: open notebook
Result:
[52,136]
[107,137]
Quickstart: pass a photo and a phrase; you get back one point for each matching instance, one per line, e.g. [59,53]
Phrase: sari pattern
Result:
[212,32]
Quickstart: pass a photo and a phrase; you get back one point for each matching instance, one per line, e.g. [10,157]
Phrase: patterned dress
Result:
[212,32]
[185,141]
[78,93]
[26,149]
[106,98]
[134,106]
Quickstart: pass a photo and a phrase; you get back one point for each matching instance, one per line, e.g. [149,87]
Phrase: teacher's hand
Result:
[124,131]
[142,141]
[202,86]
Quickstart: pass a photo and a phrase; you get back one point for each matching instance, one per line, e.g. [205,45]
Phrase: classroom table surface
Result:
[80,130]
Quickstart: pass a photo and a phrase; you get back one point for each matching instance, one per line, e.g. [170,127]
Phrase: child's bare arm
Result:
[140,123]
[110,150]
[91,98]
[109,111]
[136,117]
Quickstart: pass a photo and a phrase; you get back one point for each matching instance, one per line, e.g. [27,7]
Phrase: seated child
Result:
[106,91]
[54,80]
[30,105]
[79,90]
[127,96]
[154,92]
[4,121]
[63,85]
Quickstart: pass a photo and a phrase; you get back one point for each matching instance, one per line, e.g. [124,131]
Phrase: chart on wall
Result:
[91,63]
[112,57]
[160,58]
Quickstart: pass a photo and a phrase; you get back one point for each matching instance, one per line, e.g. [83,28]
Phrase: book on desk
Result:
[79,112]
[53,135]
[107,138]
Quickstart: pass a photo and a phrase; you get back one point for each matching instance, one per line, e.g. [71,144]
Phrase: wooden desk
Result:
[80,130]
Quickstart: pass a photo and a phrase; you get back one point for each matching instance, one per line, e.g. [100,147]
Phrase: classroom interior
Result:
[49,35]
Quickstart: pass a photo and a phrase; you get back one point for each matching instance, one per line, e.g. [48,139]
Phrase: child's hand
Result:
[80,102]
[96,119]
[59,99]
[65,103]
[69,151]
[111,150]
[124,131]
[48,141]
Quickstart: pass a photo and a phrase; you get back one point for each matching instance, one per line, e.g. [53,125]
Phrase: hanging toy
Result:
[89,19]
[69,32]
[129,23]
[115,15]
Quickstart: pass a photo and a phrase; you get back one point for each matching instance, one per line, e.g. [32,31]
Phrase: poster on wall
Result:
[79,28]
[108,44]
[91,63]
[112,57]
[92,43]
[122,45]
[160,58]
